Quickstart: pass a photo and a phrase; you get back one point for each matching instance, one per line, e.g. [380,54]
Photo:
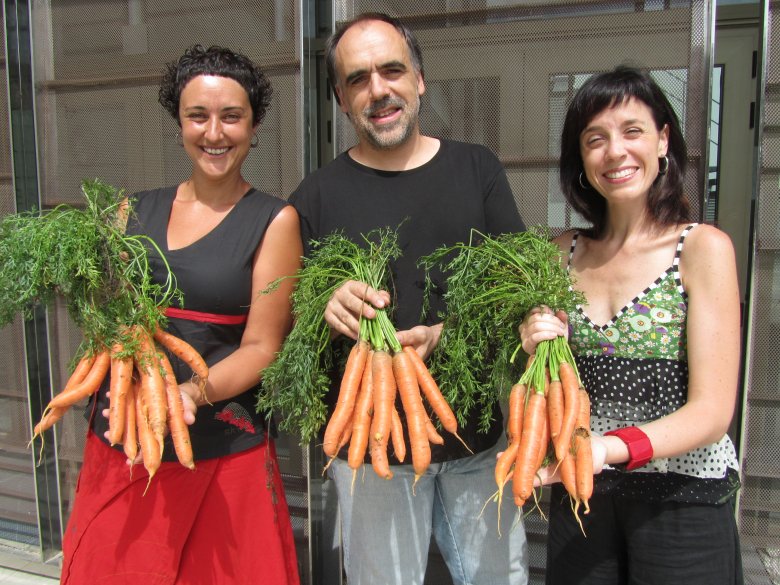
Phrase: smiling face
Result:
[620,148]
[378,87]
[216,125]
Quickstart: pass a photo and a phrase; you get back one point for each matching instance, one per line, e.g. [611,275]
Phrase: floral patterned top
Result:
[635,369]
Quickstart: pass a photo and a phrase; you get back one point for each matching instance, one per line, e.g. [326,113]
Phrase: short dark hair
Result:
[330,45]
[221,62]
[666,203]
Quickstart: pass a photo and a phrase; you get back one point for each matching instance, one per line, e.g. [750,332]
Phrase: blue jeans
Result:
[387,524]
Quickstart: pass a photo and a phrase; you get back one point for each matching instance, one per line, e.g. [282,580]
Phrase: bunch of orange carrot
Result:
[366,416]
[548,424]
[145,402]
[83,255]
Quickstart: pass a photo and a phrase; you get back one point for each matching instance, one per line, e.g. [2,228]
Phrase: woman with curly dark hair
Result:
[227,520]
[657,345]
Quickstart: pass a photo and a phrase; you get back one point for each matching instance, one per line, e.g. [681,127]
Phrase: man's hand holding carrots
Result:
[422,338]
[351,301]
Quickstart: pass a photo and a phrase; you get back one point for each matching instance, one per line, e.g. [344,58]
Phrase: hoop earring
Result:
[179,139]
[581,185]
[255,141]
[662,168]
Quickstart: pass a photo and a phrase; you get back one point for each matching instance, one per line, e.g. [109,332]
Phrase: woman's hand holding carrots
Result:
[192,398]
[541,324]
[549,427]
[551,473]
[146,402]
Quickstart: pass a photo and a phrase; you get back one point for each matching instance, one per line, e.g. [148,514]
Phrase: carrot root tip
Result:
[457,436]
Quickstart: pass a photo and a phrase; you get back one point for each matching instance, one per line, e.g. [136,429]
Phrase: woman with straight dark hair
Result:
[225,521]
[658,355]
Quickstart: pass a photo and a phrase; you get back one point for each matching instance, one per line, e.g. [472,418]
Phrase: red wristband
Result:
[640,450]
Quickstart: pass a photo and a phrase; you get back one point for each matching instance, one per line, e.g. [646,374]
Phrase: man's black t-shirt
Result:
[462,187]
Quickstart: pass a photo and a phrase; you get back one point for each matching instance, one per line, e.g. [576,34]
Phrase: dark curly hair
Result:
[415,54]
[666,203]
[221,62]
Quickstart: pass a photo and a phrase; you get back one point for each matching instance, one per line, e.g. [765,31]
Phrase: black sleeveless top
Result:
[215,275]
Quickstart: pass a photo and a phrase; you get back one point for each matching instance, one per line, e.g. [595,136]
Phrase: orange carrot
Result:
[88,385]
[544,442]
[514,429]
[397,437]
[433,395]
[504,465]
[152,387]
[503,473]
[584,456]
[180,434]
[47,420]
[120,379]
[52,414]
[81,370]
[555,408]
[150,448]
[361,422]
[384,385]
[346,434]
[514,424]
[130,438]
[528,451]
[567,469]
[350,384]
[433,435]
[431,391]
[416,417]
[184,351]
[570,386]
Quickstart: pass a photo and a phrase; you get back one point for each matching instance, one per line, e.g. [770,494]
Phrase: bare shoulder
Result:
[708,255]
[707,240]
[282,239]
[286,220]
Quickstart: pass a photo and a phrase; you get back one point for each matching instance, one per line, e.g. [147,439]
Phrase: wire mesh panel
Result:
[502,73]
[759,519]
[97,68]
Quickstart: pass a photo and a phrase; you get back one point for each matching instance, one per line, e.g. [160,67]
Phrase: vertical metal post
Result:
[318,146]
[318,143]
[705,71]
[21,96]
[750,352]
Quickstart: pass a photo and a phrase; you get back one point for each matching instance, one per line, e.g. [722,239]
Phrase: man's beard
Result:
[395,135]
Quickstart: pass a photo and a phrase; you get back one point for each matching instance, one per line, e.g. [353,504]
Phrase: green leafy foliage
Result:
[296,382]
[492,283]
[84,256]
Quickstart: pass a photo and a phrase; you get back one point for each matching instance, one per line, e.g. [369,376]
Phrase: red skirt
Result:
[226,522]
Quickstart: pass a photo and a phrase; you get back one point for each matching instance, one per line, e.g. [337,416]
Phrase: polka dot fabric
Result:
[635,370]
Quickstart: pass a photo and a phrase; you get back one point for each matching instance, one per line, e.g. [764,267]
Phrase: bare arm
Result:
[270,317]
[708,270]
